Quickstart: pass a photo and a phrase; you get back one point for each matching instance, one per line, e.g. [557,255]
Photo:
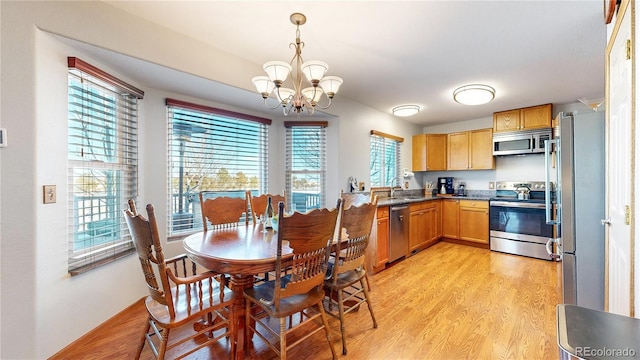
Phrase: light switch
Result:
[492,185]
[48,194]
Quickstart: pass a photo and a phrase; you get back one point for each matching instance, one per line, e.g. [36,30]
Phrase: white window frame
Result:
[314,167]
[214,143]
[383,149]
[102,164]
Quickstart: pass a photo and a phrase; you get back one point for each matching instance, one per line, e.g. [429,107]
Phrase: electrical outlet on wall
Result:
[406,184]
[492,185]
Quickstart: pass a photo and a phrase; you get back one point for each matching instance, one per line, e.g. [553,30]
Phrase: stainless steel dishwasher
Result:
[398,232]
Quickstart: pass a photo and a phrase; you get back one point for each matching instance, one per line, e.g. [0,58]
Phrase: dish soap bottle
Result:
[268,215]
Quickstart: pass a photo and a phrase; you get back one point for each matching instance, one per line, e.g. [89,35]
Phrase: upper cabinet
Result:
[470,150]
[429,152]
[534,117]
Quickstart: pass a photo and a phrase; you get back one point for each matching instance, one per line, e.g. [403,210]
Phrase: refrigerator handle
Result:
[547,181]
[551,253]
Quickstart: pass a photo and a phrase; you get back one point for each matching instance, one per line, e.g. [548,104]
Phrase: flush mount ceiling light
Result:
[474,94]
[298,99]
[405,110]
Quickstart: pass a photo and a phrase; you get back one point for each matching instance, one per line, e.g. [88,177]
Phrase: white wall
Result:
[38,295]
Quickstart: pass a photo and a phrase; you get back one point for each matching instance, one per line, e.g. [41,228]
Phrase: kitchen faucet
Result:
[394,180]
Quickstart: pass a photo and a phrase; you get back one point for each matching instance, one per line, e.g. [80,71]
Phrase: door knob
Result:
[606,221]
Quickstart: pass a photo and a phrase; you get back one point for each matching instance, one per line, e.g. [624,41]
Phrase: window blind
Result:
[385,159]
[305,174]
[102,165]
[214,150]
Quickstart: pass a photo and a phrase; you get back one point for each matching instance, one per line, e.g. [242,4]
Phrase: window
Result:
[102,164]
[305,174]
[213,150]
[384,162]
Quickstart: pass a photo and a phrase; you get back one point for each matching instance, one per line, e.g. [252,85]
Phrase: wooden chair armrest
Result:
[181,280]
[181,257]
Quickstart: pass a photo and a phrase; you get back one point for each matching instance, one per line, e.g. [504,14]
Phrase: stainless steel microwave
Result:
[520,142]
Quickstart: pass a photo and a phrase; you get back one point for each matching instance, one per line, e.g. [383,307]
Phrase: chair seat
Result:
[345,279]
[186,312]
[289,305]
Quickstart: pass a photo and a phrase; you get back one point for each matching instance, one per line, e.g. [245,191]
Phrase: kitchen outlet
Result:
[406,184]
[48,194]
[492,185]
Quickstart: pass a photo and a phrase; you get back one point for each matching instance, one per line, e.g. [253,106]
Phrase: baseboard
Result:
[467,243]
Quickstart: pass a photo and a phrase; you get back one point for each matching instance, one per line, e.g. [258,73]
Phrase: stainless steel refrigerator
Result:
[579,146]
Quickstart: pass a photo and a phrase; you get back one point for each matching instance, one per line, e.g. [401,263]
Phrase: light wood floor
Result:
[447,302]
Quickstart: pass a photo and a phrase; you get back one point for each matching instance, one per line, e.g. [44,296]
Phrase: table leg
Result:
[238,284]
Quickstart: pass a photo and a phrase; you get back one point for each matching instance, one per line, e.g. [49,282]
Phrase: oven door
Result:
[520,218]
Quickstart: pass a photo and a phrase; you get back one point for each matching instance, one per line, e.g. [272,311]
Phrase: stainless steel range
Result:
[517,222]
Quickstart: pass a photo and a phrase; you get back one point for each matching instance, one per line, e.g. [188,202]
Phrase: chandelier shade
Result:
[277,70]
[284,94]
[474,94]
[263,84]
[314,70]
[313,94]
[331,84]
[297,96]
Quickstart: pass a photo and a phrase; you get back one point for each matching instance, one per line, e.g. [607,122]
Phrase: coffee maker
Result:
[445,185]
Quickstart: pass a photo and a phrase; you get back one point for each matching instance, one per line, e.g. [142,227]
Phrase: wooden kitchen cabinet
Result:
[429,152]
[470,150]
[432,218]
[417,226]
[450,218]
[474,221]
[481,150]
[458,151]
[382,241]
[506,120]
[424,224]
[529,118]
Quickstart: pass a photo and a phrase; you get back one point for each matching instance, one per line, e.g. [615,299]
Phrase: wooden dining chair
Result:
[354,199]
[301,291]
[259,203]
[179,297]
[346,286]
[222,212]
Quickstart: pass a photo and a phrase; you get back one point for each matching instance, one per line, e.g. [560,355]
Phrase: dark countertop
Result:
[400,200]
[593,334]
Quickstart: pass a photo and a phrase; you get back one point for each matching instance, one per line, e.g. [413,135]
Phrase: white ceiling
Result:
[397,52]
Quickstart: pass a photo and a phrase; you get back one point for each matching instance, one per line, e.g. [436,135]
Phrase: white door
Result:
[618,179]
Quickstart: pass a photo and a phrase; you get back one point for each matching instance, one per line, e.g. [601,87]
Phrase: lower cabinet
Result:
[474,221]
[466,220]
[382,233]
[450,218]
[424,224]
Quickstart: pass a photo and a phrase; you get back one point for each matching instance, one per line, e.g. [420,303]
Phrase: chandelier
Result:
[298,99]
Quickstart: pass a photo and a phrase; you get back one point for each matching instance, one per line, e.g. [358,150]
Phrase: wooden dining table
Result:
[241,252]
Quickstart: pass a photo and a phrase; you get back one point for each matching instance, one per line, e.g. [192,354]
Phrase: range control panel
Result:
[532,185]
